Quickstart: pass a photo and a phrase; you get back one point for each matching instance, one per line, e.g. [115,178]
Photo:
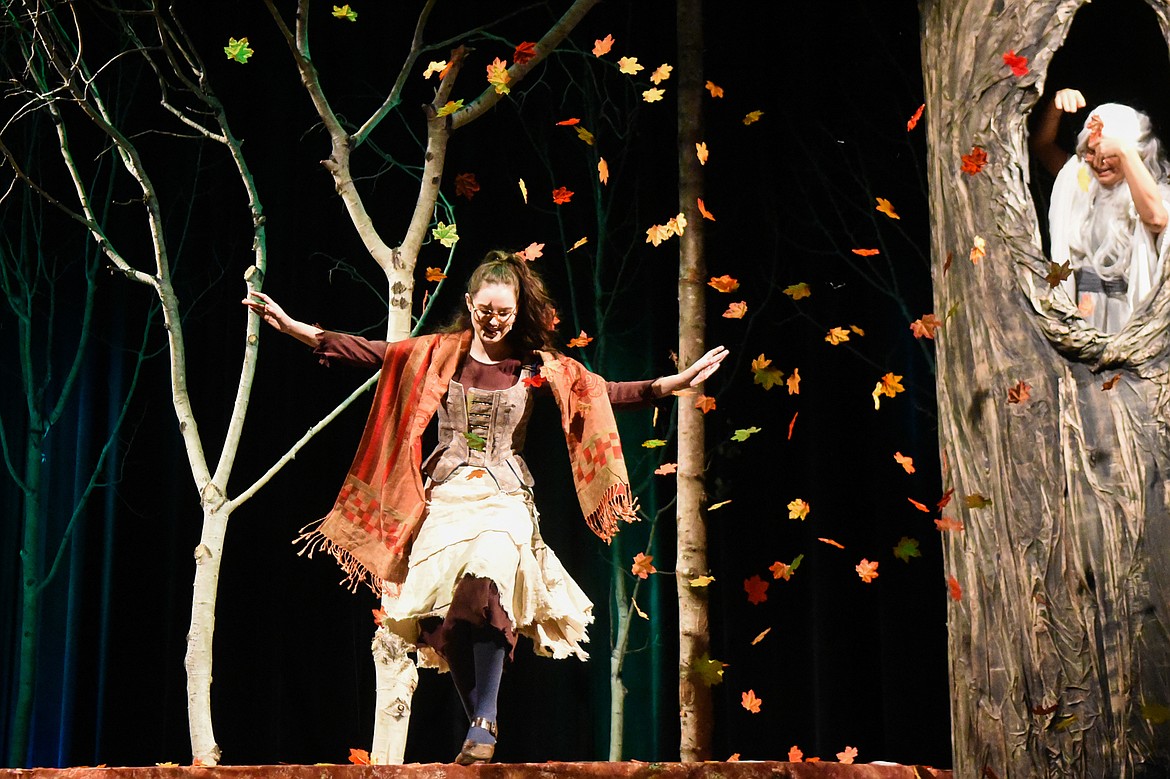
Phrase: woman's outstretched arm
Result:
[271,312]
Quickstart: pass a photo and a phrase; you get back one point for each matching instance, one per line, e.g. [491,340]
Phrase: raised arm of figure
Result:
[1147,197]
[1042,143]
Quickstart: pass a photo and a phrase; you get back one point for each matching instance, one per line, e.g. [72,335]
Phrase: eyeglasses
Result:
[487,314]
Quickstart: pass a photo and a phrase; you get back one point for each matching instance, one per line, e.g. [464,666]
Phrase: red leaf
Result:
[534,381]
[913,122]
[359,757]
[561,195]
[973,162]
[524,52]
[568,122]
[791,425]
[945,499]
[865,252]
[953,587]
[1018,64]
[920,506]
[756,589]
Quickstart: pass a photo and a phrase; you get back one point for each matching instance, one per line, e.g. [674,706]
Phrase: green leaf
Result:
[907,548]
[1156,713]
[769,377]
[792,566]
[475,442]
[798,291]
[743,433]
[345,12]
[653,443]
[977,501]
[238,50]
[445,234]
[709,672]
[451,107]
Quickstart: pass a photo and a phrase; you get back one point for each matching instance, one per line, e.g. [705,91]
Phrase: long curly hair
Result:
[535,311]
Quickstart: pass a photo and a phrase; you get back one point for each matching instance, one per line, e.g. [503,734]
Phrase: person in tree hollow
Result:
[1108,213]
[461,553]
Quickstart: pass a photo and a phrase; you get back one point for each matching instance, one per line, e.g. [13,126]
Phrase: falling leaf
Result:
[973,163]
[708,670]
[629,65]
[784,571]
[653,95]
[654,443]
[677,224]
[701,152]
[497,76]
[666,469]
[656,234]
[723,283]
[887,208]
[238,51]
[525,53]
[719,505]
[756,589]
[450,107]
[445,234]
[791,425]
[531,252]
[907,548]
[857,330]
[1020,392]
[1155,713]
[847,756]
[798,291]
[524,191]
[750,702]
[478,473]
[945,524]
[435,274]
[643,565]
[1058,273]
[760,637]
[534,381]
[1018,64]
[703,210]
[705,403]
[475,442]
[947,263]
[945,499]
[1044,711]
[891,385]
[794,382]
[602,171]
[434,67]
[1083,178]
[978,250]
[580,340]
[866,570]
[795,755]
[1110,383]
[345,12]
[953,587]
[744,433]
[798,509]
[716,91]
[920,506]
[762,374]
[359,757]
[977,501]
[907,463]
[837,335]
[913,121]
[865,252]
[562,195]
[752,117]
[602,47]
[569,122]
[584,135]
[926,326]
[466,185]
[831,542]
[637,610]
[701,581]
[379,616]
[661,73]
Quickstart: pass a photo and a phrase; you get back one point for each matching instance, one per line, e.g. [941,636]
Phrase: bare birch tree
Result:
[1059,647]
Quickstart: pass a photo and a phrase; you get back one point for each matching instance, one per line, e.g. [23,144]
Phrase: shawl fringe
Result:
[616,505]
[311,540]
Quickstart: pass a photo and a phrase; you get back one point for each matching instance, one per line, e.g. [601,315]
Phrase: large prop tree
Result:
[1054,438]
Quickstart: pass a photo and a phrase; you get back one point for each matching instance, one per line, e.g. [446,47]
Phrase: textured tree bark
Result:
[1059,644]
[694,640]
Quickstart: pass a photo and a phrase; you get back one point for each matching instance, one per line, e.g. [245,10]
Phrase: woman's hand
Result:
[271,312]
[1068,100]
[698,372]
[1042,141]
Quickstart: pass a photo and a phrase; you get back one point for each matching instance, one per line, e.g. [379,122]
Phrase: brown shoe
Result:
[474,751]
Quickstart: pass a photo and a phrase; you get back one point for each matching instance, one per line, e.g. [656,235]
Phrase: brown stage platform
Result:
[628,770]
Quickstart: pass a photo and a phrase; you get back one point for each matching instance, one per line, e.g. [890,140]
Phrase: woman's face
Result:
[493,312]
[1107,168]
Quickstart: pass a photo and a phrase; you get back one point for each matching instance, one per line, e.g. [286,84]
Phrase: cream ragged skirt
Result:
[474,529]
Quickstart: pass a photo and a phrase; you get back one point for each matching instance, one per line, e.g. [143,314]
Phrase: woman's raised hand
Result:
[1068,100]
[271,312]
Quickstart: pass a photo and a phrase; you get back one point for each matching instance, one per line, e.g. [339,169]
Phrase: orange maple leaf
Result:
[497,76]
[891,385]
[601,47]
[660,74]
[978,249]
[831,542]
[580,340]
[716,91]
[531,252]
[906,462]
[478,473]
[524,53]
[705,403]
[837,335]
[948,523]
[534,381]
[798,509]
[1110,383]
[1018,64]
[973,162]
[847,755]
[926,326]
[466,185]
[795,755]
[359,757]
[780,570]
[602,170]
[793,382]
[735,310]
[866,570]
[723,283]
[643,565]
[656,234]
[703,210]
[666,469]
[435,274]
[756,589]
[562,195]
[887,208]
[379,616]
[920,506]
[913,121]
[865,252]
[701,152]
[954,588]
[1020,392]
[750,702]
[572,120]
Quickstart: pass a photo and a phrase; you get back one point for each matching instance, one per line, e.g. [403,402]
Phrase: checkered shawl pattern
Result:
[595,450]
[381,503]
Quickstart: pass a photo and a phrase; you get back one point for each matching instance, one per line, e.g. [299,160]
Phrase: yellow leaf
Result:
[798,291]
[656,234]
[584,135]
[629,66]
[718,505]
[857,330]
[715,90]
[760,637]
[701,581]
[978,250]
[637,610]
[497,76]
[887,208]
[752,117]
[653,95]
[837,335]
[677,224]
[434,67]
[798,509]
[450,107]
[701,152]
[1083,178]
[661,73]
[580,242]
[524,191]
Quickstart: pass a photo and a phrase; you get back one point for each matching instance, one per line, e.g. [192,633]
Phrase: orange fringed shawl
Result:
[382,504]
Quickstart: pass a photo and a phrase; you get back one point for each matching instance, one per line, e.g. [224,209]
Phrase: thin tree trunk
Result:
[694,641]
[32,566]
[1059,643]
[208,555]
